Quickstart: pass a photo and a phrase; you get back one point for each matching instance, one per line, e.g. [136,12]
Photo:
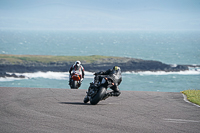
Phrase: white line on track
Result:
[179,120]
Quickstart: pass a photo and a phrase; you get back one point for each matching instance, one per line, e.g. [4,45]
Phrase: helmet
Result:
[116,68]
[78,63]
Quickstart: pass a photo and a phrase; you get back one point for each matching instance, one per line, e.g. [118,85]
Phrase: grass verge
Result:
[13,59]
[193,96]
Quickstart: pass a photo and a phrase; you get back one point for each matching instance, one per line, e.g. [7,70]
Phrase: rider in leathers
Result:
[76,68]
[115,75]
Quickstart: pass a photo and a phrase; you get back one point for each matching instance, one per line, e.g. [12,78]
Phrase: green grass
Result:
[193,96]
[13,59]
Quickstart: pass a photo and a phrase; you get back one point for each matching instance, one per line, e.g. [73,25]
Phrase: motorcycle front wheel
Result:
[101,92]
[74,84]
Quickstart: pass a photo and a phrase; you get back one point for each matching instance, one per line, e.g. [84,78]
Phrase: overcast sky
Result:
[100,14]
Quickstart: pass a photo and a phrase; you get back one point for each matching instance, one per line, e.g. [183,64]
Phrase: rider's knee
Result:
[117,93]
[114,93]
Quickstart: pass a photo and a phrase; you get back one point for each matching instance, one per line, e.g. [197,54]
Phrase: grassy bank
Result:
[193,96]
[14,59]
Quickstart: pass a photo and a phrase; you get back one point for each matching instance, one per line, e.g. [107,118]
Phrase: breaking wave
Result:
[47,75]
[8,79]
[52,75]
[168,73]
[191,71]
[89,75]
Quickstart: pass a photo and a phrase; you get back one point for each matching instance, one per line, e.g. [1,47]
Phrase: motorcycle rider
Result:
[77,68]
[115,75]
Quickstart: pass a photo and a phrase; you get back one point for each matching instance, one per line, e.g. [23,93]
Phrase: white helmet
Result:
[78,63]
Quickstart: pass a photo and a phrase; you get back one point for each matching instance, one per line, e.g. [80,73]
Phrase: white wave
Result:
[174,65]
[89,75]
[8,79]
[188,72]
[48,75]
[194,69]
[52,75]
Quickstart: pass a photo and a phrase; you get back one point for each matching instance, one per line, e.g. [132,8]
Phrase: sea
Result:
[170,47]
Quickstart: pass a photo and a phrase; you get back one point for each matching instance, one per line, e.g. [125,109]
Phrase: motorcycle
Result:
[75,81]
[97,93]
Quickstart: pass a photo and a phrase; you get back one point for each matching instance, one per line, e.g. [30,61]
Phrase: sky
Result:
[100,14]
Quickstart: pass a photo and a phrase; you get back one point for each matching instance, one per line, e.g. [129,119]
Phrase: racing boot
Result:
[111,94]
[106,96]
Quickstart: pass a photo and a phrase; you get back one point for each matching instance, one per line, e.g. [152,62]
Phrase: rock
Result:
[4,75]
[126,64]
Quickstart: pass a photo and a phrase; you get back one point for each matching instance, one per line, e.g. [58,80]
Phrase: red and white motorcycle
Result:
[75,81]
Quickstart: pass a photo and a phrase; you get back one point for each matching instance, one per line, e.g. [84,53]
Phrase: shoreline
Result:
[34,63]
[22,75]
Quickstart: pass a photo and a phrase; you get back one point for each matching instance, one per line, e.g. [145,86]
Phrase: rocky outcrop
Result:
[126,64]
[136,65]
[4,75]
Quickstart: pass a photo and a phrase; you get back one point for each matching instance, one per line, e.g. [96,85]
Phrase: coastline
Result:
[27,63]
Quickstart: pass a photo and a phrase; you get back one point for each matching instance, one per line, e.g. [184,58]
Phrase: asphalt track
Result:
[45,110]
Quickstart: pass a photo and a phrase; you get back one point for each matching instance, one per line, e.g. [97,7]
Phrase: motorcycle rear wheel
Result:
[94,100]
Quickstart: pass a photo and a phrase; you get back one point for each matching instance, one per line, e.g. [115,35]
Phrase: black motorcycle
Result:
[97,92]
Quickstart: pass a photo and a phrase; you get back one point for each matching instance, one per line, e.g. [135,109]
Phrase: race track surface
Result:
[45,110]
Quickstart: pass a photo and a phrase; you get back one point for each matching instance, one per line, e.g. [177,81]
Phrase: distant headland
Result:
[93,63]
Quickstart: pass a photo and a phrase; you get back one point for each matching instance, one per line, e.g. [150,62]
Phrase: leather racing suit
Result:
[115,76]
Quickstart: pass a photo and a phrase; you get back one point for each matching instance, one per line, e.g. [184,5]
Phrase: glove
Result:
[98,73]
[95,74]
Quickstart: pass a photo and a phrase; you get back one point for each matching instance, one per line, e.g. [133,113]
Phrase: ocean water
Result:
[171,47]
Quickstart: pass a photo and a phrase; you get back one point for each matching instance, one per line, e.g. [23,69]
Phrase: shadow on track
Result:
[74,103]
[78,103]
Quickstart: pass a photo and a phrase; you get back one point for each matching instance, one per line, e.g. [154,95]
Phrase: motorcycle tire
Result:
[94,100]
[74,85]
[86,99]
